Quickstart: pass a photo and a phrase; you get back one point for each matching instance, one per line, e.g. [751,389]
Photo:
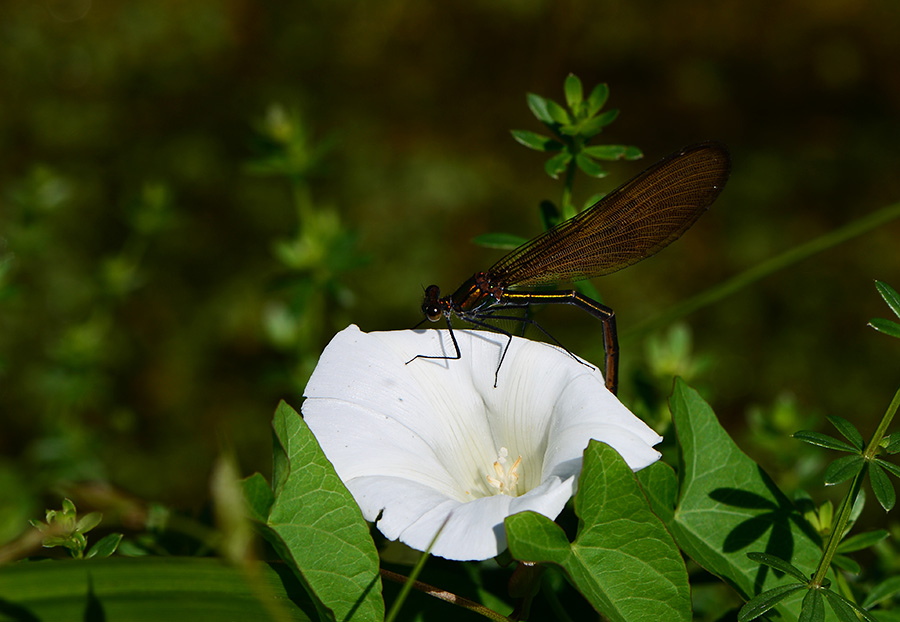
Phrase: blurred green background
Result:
[195,196]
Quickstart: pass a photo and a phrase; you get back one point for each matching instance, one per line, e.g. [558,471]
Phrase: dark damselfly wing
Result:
[632,222]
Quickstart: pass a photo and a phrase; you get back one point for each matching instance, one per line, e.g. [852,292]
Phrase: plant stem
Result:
[837,532]
[566,207]
[843,517]
[883,426]
[751,275]
[450,597]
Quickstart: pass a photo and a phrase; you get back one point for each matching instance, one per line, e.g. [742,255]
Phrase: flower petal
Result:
[417,439]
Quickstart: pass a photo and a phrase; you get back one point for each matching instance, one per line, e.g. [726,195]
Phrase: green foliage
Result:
[892,298]
[724,505]
[622,560]
[151,589]
[309,293]
[571,130]
[64,528]
[863,459]
[312,521]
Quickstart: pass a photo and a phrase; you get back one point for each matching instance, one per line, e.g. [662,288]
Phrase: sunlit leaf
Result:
[848,431]
[574,93]
[823,440]
[535,141]
[317,527]
[888,327]
[843,469]
[597,99]
[836,600]
[890,295]
[779,564]
[556,165]
[613,152]
[862,541]
[105,546]
[589,166]
[717,523]
[623,560]
[594,126]
[893,445]
[882,486]
[558,113]
[892,468]
[758,605]
[538,107]
[813,609]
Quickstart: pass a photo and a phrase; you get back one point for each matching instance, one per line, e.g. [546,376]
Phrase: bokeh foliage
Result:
[195,196]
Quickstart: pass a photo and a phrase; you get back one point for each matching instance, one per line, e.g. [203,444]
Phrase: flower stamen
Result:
[506,481]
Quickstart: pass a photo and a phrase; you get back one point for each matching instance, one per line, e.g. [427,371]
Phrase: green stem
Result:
[740,281]
[566,207]
[843,516]
[883,426]
[840,525]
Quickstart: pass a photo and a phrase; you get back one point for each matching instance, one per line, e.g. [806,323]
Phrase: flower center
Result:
[507,479]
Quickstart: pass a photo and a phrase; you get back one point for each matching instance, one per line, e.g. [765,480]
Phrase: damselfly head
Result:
[431,306]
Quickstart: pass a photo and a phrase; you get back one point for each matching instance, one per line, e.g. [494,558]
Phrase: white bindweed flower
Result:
[415,443]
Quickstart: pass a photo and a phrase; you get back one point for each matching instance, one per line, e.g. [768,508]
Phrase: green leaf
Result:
[556,165]
[613,152]
[105,546]
[597,99]
[778,564]
[150,589]
[862,541]
[558,113]
[504,241]
[535,141]
[835,600]
[824,440]
[758,605]
[843,469]
[890,295]
[882,591]
[813,609]
[893,445]
[316,526]
[889,466]
[538,107]
[589,166]
[660,484]
[885,326]
[594,126]
[623,560]
[882,486]
[574,92]
[258,495]
[728,506]
[633,153]
[845,563]
[88,522]
[848,431]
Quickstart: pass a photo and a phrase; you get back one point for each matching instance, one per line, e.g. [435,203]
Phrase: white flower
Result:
[415,443]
